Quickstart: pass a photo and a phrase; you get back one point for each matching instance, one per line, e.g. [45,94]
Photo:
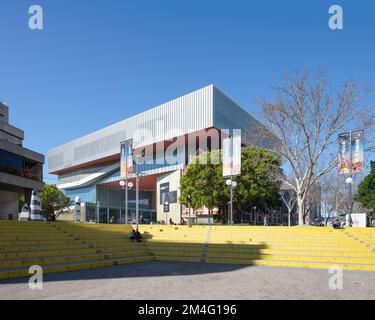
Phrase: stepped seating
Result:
[61,247]
[366,235]
[306,247]
[68,246]
[175,243]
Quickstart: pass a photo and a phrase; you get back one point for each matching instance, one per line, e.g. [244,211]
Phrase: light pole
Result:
[98,212]
[231,184]
[130,186]
[166,204]
[137,157]
[349,182]
[125,185]
[189,206]
[255,209]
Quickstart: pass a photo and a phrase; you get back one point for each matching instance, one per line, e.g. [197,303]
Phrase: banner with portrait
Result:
[232,155]
[126,158]
[358,161]
[344,153]
[227,157]
[351,152]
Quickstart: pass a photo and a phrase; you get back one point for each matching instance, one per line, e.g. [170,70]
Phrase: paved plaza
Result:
[177,280]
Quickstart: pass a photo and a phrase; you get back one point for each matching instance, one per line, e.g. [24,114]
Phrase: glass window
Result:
[20,166]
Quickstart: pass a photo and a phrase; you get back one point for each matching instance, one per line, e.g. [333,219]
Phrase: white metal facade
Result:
[201,109]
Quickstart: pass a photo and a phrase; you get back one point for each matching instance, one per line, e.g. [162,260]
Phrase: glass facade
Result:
[20,166]
[107,204]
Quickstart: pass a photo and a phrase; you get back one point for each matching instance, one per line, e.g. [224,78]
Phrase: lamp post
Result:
[349,181]
[189,206]
[125,185]
[255,209]
[166,209]
[137,157]
[231,184]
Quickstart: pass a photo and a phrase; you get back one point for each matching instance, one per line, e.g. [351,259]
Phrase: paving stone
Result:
[187,281]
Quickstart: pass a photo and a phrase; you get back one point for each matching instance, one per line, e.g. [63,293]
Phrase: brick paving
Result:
[185,281]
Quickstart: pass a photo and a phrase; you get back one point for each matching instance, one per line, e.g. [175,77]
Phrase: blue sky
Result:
[100,61]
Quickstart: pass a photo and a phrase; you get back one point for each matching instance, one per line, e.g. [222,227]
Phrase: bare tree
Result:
[307,116]
[289,198]
[312,205]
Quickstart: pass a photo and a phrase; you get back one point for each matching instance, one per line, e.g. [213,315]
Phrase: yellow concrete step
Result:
[53,268]
[69,258]
[48,252]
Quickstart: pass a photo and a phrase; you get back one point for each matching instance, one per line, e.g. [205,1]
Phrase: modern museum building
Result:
[164,140]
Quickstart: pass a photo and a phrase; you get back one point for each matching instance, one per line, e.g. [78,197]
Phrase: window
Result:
[20,166]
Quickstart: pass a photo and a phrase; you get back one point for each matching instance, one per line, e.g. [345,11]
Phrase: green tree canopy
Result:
[366,190]
[53,201]
[258,185]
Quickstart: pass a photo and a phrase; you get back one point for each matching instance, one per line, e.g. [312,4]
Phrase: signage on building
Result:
[166,207]
[166,195]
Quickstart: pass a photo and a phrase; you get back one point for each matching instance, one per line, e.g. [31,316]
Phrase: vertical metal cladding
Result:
[187,114]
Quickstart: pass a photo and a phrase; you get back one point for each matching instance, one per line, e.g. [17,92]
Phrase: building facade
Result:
[168,137]
[21,170]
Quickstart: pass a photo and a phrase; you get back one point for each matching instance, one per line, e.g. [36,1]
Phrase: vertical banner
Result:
[357,152]
[344,153]
[126,158]
[227,157]
[232,155]
[236,153]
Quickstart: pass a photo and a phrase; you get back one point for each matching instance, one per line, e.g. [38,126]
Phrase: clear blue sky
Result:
[99,61]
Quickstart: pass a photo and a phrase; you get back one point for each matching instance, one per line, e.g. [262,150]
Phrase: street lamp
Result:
[124,185]
[349,181]
[231,184]
[189,205]
[166,204]
[137,157]
[255,217]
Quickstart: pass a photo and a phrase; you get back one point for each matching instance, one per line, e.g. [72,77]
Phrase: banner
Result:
[232,156]
[227,157]
[351,147]
[358,162]
[344,153]
[236,155]
[126,158]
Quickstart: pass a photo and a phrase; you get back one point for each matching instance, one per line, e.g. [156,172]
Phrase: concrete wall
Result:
[175,209]
[8,205]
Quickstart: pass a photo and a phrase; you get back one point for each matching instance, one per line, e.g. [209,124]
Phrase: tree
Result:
[53,201]
[204,185]
[200,184]
[259,182]
[21,202]
[366,190]
[307,115]
[289,198]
